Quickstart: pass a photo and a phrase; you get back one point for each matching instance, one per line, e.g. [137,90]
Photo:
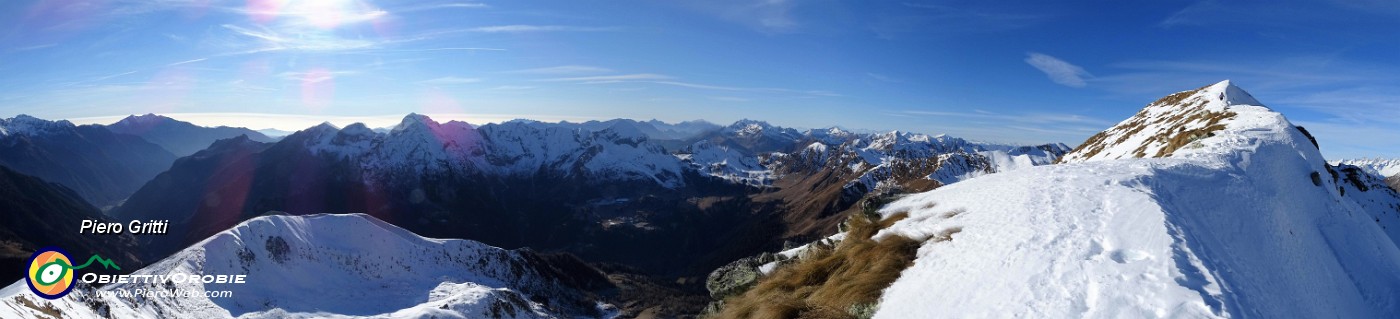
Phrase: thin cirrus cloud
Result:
[270,40]
[460,5]
[524,28]
[314,76]
[1059,71]
[563,69]
[612,78]
[449,81]
[661,79]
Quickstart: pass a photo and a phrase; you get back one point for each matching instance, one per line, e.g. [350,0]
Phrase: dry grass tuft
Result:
[829,279]
[1212,122]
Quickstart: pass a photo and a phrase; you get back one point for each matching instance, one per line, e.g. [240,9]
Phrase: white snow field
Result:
[327,266]
[1384,167]
[1231,225]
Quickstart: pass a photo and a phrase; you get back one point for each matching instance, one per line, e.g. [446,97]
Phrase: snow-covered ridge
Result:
[333,266]
[1165,125]
[1242,223]
[875,157]
[419,146]
[622,150]
[25,125]
[1385,167]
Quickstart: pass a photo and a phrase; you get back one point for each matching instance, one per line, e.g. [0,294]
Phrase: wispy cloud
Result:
[272,40]
[745,89]
[770,16]
[563,69]
[512,88]
[1058,70]
[915,19]
[1299,14]
[526,28]
[440,6]
[34,47]
[661,79]
[314,76]
[448,81]
[611,78]
[443,49]
[881,77]
[98,79]
[187,62]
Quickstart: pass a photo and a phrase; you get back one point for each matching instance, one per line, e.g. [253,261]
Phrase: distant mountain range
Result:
[101,166]
[612,185]
[1204,204]
[180,138]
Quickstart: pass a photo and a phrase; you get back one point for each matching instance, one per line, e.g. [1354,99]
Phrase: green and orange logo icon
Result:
[50,273]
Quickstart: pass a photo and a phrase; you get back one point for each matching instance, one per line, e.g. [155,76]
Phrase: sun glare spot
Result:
[317,89]
[319,14]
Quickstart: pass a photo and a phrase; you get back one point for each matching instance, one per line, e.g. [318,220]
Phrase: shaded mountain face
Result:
[607,194]
[178,137]
[343,265]
[36,214]
[102,167]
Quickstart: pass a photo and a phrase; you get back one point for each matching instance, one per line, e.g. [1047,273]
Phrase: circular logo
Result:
[50,273]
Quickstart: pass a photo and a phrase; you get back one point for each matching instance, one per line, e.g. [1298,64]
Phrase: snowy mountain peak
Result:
[1237,215]
[1385,167]
[625,131]
[1232,95]
[357,129]
[144,119]
[414,120]
[747,127]
[1170,123]
[24,124]
[323,127]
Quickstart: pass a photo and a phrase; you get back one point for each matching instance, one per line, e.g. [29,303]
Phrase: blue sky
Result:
[1020,72]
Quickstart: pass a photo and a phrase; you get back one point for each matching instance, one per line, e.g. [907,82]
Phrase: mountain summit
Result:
[1166,125]
[179,137]
[1205,204]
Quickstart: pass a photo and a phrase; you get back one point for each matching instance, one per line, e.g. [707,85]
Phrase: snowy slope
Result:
[881,161]
[1230,225]
[334,266]
[726,163]
[1385,167]
[1159,128]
